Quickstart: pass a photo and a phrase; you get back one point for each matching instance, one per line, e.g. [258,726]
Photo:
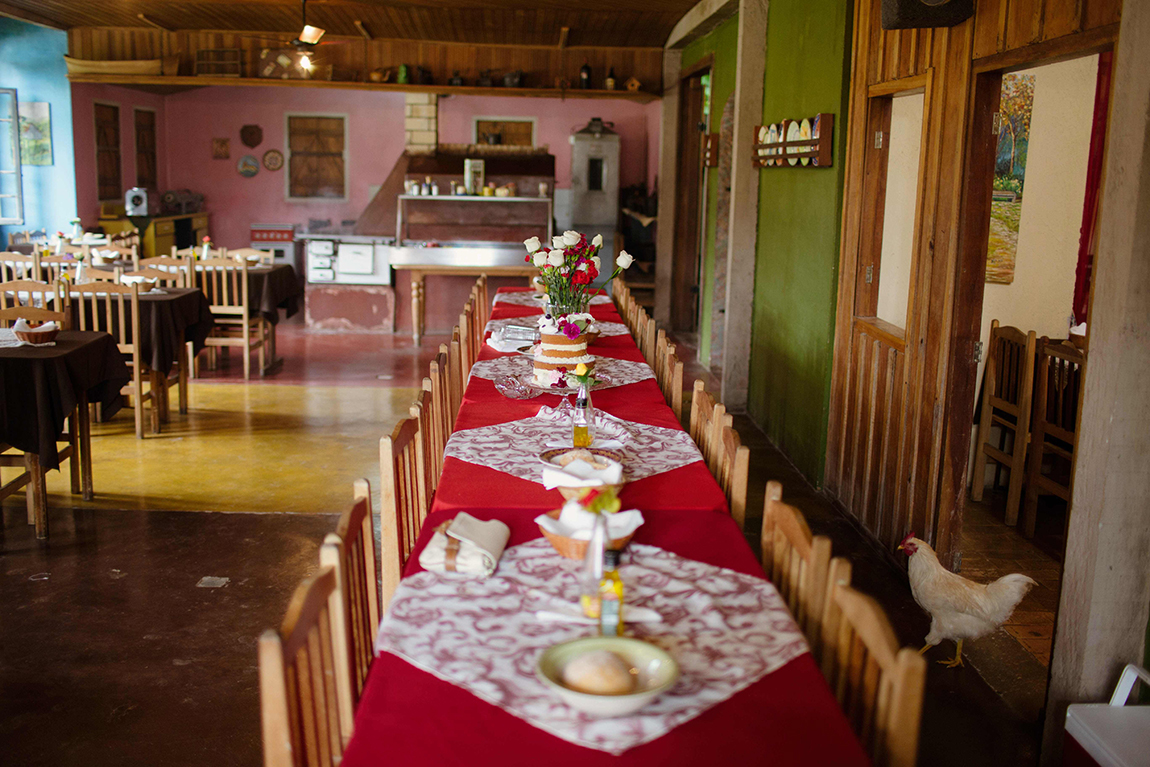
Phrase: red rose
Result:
[580,277]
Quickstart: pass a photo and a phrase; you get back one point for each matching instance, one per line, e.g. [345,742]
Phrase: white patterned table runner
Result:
[614,372]
[514,447]
[605,328]
[726,630]
[527,298]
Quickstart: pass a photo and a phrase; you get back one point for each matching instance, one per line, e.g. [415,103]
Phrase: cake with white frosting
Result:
[558,353]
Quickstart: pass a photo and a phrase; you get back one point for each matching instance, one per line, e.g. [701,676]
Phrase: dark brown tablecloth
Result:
[40,387]
[168,321]
[273,288]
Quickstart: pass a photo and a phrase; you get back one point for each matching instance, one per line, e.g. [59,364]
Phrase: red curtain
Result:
[1088,235]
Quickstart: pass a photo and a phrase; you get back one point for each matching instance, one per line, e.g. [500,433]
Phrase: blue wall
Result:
[32,61]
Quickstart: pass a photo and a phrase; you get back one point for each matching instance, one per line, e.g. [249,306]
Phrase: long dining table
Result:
[407,715]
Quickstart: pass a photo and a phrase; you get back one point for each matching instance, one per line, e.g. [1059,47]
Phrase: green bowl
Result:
[656,672]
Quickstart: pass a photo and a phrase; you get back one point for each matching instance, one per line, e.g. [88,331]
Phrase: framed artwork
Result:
[248,166]
[221,149]
[1017,101]
[35,132]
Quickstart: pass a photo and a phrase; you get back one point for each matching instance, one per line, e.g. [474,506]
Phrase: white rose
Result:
[540,259]
[624,260]
[597,241]
[555,258]
[557,243]
[571,237]
[532,244]
[598,263]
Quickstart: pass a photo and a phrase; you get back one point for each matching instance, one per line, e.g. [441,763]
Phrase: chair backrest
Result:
[455,374]
[197,252]
[484,305]
[734,467]
[177,265]
[350,551]
[1060,378]
[17,266]
[109,307]
[797,562]
[403,499]
[660,355]
[300,687]
[129,238]
[444,418]
[421,410]
[879,686]
[706,425]
[33,301]
[25,237]
[672,383]
[225,283]
[1010,369]
[466,341]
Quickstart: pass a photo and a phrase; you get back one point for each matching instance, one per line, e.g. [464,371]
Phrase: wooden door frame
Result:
[689,221]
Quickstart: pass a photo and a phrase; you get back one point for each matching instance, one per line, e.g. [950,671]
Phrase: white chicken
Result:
[959,608]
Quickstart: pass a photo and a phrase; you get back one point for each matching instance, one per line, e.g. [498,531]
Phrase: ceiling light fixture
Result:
[310,34]
[305,62]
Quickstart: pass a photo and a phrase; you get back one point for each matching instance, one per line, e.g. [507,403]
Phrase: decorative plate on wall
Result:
[273,159]
[248,166]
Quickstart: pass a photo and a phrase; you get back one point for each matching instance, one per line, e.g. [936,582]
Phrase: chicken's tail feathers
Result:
[1006,592]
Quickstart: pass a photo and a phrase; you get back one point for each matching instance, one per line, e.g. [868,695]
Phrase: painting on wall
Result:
[1016,103]
[221,149]
[35,132]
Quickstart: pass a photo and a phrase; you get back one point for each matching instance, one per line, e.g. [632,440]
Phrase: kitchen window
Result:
[317,157]
[108,152]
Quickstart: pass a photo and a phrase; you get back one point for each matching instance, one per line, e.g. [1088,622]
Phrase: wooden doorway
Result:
[687,253]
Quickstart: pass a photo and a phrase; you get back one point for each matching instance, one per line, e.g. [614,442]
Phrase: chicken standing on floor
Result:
[959,608]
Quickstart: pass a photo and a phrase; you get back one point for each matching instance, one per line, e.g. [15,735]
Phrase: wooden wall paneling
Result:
[1100,13]
[874,202]
[1023,23]
[875,417]
[863,414]
[988,27]
[854,421]
[1062,17]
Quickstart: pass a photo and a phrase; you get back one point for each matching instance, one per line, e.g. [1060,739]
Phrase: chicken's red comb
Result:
[906,540]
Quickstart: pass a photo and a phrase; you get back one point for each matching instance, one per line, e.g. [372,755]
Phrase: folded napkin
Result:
[576,522]
[574,614]
[580,473]
[466,545]
[505,346]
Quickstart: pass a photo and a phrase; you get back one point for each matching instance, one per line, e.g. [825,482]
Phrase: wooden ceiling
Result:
[638,23]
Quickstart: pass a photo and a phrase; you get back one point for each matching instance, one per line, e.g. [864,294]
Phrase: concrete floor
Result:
[113,652]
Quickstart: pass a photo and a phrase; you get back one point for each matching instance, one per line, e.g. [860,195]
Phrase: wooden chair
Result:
[1007,386]
[17,266]
[879,686]
[225,283]
[128,239]
[177,269]
[482,307]
[797,562]
[455,374]
[54,268]
[350,551]
[734,465]
[672,383]
[466,341]
[706,425]
[660,356]
[197,253]
[178,377]
[300,686]
[441,417]
[404,502]
[27,237]
[1053,432]
[115,309]
[122,253]
[421,411]
[33,301]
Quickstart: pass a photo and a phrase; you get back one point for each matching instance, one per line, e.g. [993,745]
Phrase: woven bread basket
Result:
[573,548]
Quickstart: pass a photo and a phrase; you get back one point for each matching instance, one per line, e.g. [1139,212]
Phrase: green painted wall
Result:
[722,42]
[796,268]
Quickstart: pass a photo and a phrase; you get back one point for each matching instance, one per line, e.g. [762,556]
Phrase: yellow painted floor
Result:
[242,448]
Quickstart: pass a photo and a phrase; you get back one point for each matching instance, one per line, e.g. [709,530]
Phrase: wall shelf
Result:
[174,84]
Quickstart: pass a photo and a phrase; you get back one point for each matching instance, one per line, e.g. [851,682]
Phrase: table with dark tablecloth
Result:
[170,320]
[41,386]
[271,288]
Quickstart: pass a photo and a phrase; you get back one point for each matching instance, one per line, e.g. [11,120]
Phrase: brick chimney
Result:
[421,123]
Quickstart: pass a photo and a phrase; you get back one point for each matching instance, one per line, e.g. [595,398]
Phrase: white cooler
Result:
[1109,734]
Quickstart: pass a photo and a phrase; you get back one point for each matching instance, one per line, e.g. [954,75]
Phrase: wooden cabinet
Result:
[159,234]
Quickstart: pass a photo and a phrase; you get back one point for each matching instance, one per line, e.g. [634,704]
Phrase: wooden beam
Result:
[705,16]
[32,18]
[151,23]
[563,32]
[362,29]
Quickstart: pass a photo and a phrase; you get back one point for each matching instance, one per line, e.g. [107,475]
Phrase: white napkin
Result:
[128,279]
[579,473]
[500,345]
[576,522]
[477,546]
[574,614]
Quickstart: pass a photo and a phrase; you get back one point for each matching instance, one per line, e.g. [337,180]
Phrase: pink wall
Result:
[84,96]
[375,141]
[556,120]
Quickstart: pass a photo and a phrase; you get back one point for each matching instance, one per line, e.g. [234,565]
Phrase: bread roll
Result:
[599,672]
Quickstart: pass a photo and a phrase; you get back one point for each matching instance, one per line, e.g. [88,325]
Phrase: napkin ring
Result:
[452,550]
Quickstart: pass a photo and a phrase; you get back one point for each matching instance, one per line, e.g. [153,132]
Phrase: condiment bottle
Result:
[585,75]
[583,418]
[611,596]
[593,568]
[426,187]
[609,83]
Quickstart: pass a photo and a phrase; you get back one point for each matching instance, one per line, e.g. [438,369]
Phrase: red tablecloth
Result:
[407,716]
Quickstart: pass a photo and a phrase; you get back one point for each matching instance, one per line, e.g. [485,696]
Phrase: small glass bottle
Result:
[609,83]
[593,569]
[585,76]
[611,596]
[583,418]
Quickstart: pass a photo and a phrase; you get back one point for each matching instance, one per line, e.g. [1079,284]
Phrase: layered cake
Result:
[557,353]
